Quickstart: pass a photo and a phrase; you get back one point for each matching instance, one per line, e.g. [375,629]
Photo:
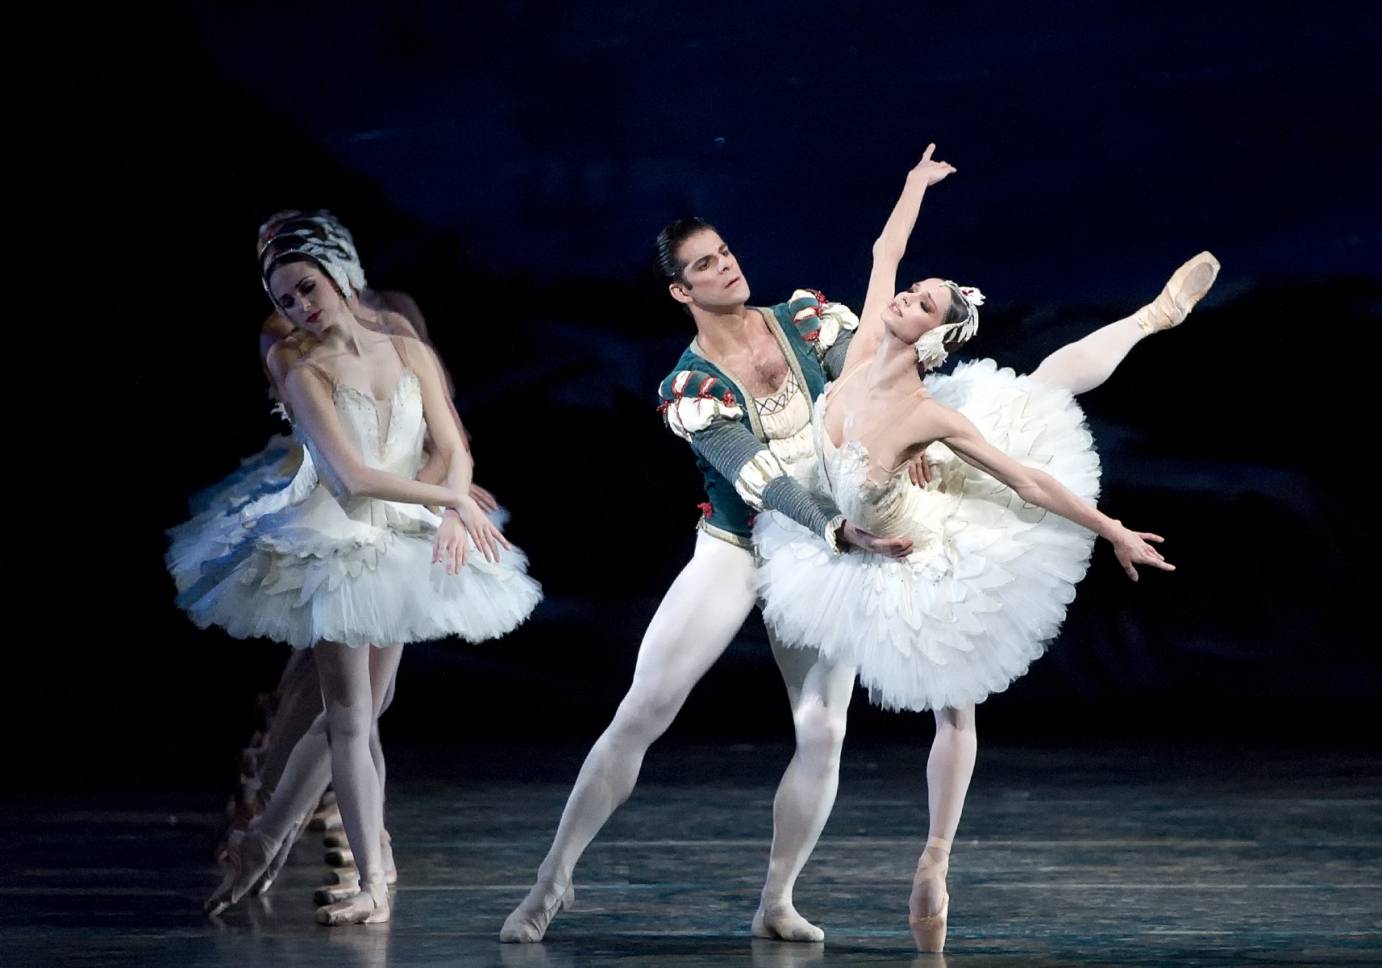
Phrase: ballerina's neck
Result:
[893,366]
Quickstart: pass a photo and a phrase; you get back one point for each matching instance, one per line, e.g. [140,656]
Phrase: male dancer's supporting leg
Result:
[819,692]
[693,626]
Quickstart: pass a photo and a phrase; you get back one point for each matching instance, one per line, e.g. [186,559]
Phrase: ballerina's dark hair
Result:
[959,310]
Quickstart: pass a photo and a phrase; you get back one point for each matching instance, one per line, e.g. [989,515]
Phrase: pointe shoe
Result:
[342,875]
[527,923]
[1186,287]
[369,906]
[248,855]
[326,819]
[928,929]
[335,893]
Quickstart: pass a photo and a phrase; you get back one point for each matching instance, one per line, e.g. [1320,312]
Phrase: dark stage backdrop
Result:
[509,164]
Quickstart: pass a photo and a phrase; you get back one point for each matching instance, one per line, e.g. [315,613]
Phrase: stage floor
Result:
[1075,856]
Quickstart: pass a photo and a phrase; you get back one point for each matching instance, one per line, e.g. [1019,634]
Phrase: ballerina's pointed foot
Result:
[248,855]
[1186,287]
[928,908]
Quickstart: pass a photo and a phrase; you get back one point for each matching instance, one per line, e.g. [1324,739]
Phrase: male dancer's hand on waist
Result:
[856,537]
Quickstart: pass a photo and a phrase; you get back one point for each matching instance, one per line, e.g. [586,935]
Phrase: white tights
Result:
[1079,367]
[692,627]
[341,746]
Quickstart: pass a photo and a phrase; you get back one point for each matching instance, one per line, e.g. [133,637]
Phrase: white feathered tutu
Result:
[989,578]
[301,566]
